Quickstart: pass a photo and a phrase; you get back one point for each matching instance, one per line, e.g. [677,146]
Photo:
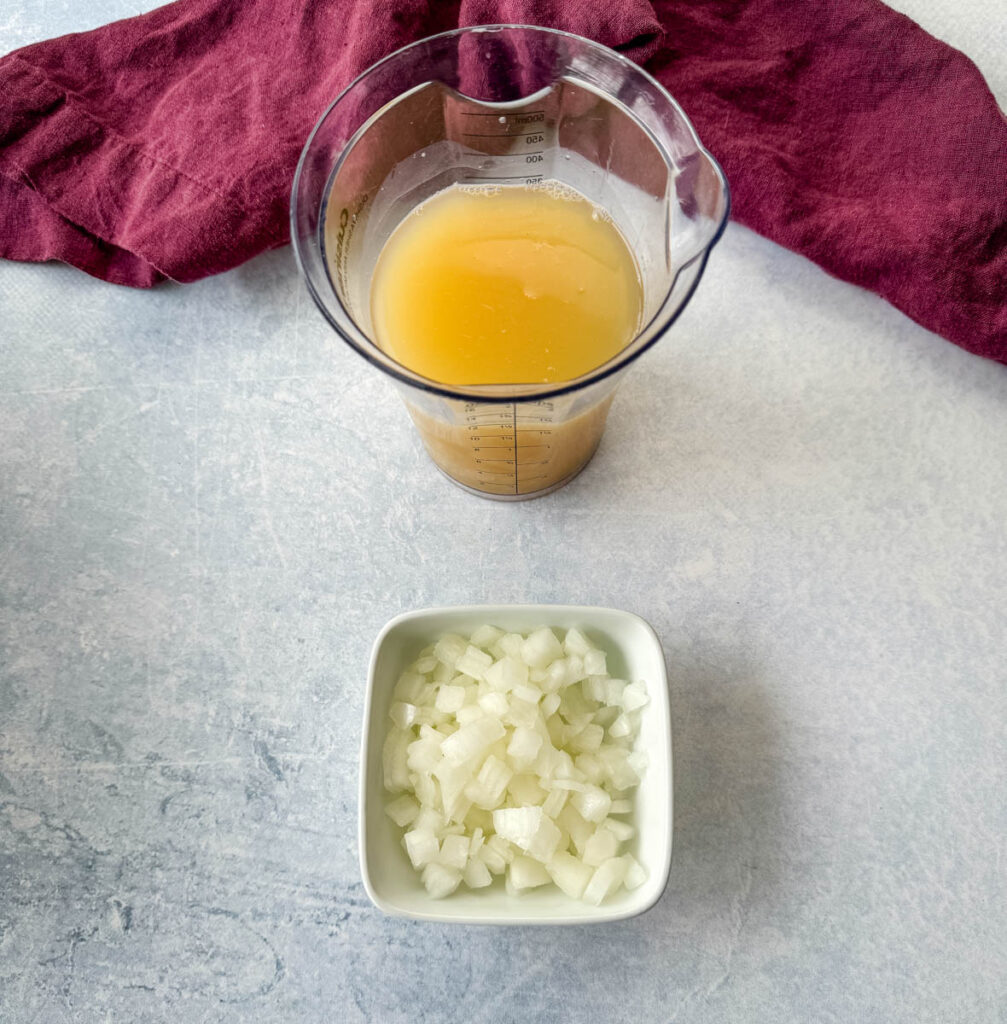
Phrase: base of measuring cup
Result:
[519,497]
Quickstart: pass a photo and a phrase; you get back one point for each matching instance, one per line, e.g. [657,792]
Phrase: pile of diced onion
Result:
[513,755]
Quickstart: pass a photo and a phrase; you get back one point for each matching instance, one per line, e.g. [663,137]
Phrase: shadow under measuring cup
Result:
[505,106]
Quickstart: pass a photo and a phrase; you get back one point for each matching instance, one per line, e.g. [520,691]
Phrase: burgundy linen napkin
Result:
[164,145]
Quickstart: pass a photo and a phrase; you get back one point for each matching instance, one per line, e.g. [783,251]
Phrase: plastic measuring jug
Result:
[505,105]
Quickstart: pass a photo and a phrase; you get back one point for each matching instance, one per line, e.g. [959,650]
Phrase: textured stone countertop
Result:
[209,507]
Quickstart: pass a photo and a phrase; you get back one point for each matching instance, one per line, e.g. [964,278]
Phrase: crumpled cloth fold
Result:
[164,146]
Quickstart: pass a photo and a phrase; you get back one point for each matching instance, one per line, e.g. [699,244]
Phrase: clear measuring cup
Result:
[505,105]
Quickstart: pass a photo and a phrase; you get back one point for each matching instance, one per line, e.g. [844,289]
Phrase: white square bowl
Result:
[634,652]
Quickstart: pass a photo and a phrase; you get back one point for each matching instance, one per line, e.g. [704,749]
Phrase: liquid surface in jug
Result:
[505,285]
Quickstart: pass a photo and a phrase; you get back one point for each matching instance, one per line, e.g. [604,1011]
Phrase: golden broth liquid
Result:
[506,285]
[513,285]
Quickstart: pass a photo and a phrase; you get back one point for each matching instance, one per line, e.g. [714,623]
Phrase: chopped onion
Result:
[472,740]
[606,879]
[622,830]
[634,696]
[508,754]
[421,846]
[450,698]
[440,881]
[593,803]
[570,874]
[635,874]
[402,811]
[476,875]
[602,846]
[524,745]
[403,714]
[525,873]
[485,636]
[455,852]
[540,648]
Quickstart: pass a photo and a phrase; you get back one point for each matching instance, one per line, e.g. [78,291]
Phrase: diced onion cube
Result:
[477,875]
[484,636]
[570,785]
[403,810]
[575,670]
[469,714]
[471,740]
[594,662]
[591,768]
[595,688]
[621,807]
[488,787]
[474,662]
[576,643]
[550,704]
[529,829]
[502,846]
[589,738]
[421,847]
[426,789]
[522,713]
[495,861]
[511,643]
[454,852]
[548,761]
[524,745]
[636,874]
[565,767]
[555,677]
[541,648]
[614,689]
[526,790]
[634,697]
[450,698]
[505,674]
[570,874]
[494,704]
[429,820]
[617,767]
[602,846]
[440,881]
[425,664]
[606,880]
[403,715]
[449,649]
[525,873]
[578,829]
[575,706]
[423,754]
[409,687]
[622,830]
[554,802]
[622,726]
[527,692]
[593,803]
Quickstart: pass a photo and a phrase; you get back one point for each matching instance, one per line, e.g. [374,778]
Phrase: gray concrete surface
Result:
[208,509]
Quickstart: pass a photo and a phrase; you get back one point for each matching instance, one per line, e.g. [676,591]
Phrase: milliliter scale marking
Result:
[529,125]
[509,447]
